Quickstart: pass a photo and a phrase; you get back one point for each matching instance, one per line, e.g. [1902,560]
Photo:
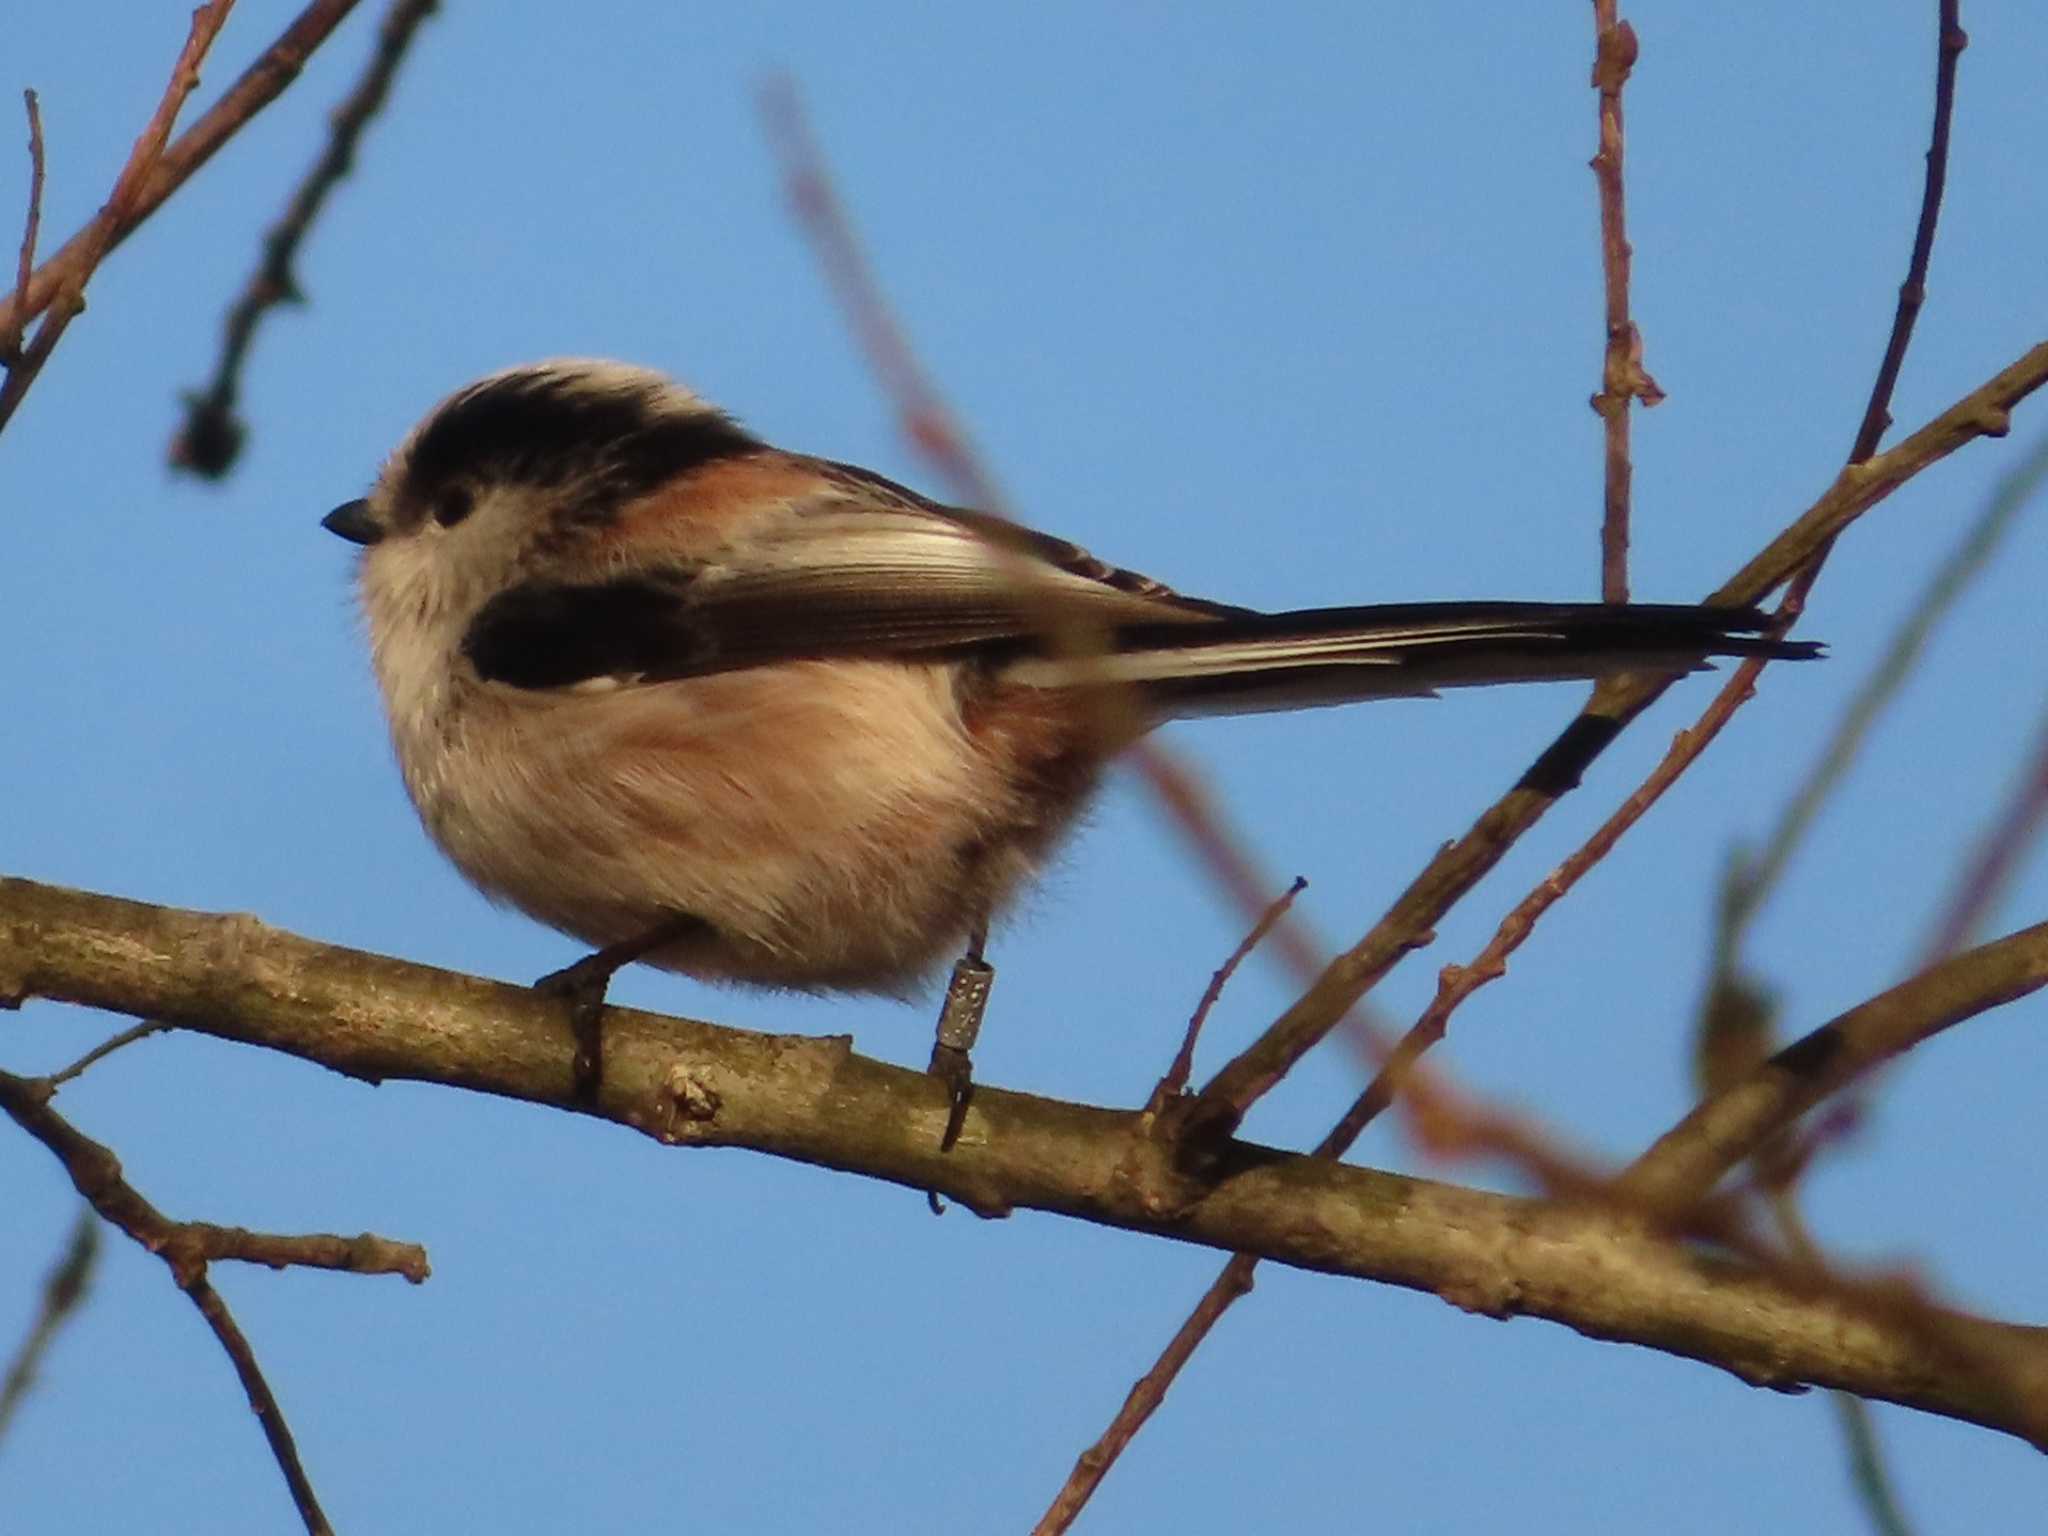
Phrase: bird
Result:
[761,717]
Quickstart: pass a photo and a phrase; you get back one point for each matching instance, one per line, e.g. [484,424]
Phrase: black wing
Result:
[865,568]
[862,568]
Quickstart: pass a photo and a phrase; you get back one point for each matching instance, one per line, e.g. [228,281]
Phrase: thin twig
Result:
[1751,884]
[259,85]
[1746,886]
[1146,1394]
[935,431]
[212,434]
[1397,1067]
[10,339]
[2012,832]
[262,1401]
[1457,983]
[1877,417]
[62,1292]
[1623,379]
[1176,1079]
[186,1248]
[105,1048]
[68,300]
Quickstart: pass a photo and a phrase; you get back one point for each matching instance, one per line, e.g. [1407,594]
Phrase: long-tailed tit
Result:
[760,717]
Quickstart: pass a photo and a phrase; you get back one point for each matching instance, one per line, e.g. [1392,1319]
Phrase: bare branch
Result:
[1750,887]
[2013,830]
[105,1049]
[1623,379]
[1410,921]
[1590,1267]
[212,435]
[1949,46]
[259,85]
[96,1174]
[10,338]
[1176,1079]
[1146,1395]
[68,301]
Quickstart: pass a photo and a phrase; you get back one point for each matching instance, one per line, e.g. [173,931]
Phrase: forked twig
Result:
[188,1247]
[259,85]
[68,299]
[96,1174]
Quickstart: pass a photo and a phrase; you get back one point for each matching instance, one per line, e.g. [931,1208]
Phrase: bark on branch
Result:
[815,1100]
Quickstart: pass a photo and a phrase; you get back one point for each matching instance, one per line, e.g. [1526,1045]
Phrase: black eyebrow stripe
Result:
[550,429]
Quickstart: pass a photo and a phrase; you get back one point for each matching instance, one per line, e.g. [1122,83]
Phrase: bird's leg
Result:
[959,1024]
[584,984]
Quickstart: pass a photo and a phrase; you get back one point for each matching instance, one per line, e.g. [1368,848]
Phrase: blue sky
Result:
[1290,308]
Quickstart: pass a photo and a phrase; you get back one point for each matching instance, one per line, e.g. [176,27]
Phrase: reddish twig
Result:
[936,433]
[212,435]
[928,422]
[1146,1395]
[1456,983]
[68,299]
[1669,1185]
[2011,834]
[259,85]
[10,339]
[1623,379]
[1175,1081]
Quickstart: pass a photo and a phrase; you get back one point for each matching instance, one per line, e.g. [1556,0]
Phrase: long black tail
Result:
[1241,663]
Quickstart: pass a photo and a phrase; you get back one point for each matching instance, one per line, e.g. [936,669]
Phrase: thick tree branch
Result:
[816,1101]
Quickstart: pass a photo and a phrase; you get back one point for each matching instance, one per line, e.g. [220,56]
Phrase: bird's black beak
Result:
[353,522]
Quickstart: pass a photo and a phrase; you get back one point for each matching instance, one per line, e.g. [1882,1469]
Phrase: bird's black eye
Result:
[452,506]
